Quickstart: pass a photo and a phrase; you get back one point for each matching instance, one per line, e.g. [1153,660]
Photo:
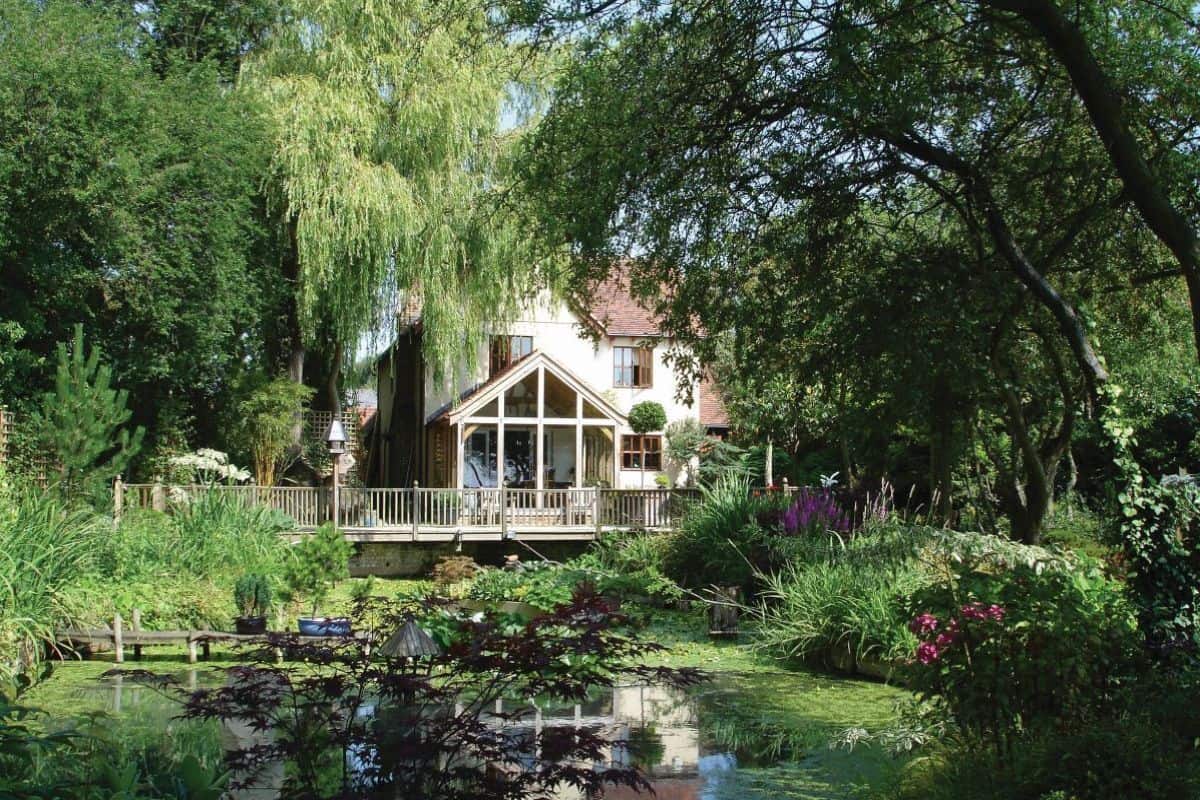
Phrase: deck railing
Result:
[419,509]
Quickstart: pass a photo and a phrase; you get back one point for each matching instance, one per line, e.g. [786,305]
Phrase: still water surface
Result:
[740,737]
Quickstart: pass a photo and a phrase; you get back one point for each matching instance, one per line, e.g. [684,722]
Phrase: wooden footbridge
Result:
[198,642]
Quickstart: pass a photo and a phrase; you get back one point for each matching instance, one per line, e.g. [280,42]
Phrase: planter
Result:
[250,626]
[324,626]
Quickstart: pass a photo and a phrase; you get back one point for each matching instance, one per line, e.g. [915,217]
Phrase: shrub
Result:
[630,564]
[252,595]
[684,441]
[814,612]
[724,539]
[322,559]
[1125,754]
[843,595]
[266,421]
[1028,647]
[215,535]
[1159,529]
[647,416]
[540,584]
[814,512]
[454,569]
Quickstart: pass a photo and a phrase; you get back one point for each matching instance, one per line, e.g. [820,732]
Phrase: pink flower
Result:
[927,652]
[923,624]
[979,612]
[944,640]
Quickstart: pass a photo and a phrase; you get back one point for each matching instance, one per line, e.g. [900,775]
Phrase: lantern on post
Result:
[336,439]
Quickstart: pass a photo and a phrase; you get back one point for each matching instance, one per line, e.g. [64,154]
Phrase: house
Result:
[548,399]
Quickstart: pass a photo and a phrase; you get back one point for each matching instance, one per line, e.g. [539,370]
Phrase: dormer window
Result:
[633,367]
[508,350]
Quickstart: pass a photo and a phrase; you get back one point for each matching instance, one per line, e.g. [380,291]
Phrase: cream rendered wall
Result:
[557,332]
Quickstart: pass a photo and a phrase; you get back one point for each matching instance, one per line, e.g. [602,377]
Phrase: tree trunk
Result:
[941,451]
[291,273]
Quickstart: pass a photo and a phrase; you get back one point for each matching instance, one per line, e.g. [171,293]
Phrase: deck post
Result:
[136,625]
[539,458]
[596,509]
[118,640]
[416,508]
[158,498]
[503,512]
[118,499]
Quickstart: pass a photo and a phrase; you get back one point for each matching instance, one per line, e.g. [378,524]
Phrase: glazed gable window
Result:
[633,367]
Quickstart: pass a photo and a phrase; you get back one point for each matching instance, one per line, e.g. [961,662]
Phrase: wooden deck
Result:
[442,515]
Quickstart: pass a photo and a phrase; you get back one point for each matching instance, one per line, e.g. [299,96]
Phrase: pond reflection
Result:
[690,744]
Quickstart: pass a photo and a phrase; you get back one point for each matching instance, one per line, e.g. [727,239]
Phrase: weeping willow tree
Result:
[389,159]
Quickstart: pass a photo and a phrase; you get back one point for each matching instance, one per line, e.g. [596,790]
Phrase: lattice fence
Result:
[316,425]
[7,424]
[17,453]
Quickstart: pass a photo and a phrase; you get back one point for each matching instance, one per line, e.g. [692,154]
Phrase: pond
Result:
[741,736]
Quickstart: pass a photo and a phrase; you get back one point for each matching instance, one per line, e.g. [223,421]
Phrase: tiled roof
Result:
[616,312]
[713,413]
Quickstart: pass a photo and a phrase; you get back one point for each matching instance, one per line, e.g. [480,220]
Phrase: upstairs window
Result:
[508,350]
[633,367]
[641,452]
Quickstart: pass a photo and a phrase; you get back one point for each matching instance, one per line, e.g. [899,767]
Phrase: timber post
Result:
[118,640]
[158,497]
[596,511]
[503,511]
[786,489]
[416,508]
[135,625]
[118,498]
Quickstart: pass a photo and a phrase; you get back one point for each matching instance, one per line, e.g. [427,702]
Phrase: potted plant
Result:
[252,596]
[321,561]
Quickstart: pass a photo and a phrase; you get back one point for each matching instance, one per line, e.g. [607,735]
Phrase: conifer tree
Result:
[82,425]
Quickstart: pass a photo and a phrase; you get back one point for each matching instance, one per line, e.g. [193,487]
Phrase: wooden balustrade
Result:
[419,509]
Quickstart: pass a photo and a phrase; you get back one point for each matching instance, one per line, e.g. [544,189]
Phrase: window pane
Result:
[623,366]
[521,399]
[652,447]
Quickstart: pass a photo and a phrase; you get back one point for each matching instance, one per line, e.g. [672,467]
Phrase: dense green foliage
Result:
[1023,647]
[840,601]
[894,233]
[65,565]
[121,213]
[47,548]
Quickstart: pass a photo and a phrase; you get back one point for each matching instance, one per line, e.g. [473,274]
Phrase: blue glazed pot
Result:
[324,626]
